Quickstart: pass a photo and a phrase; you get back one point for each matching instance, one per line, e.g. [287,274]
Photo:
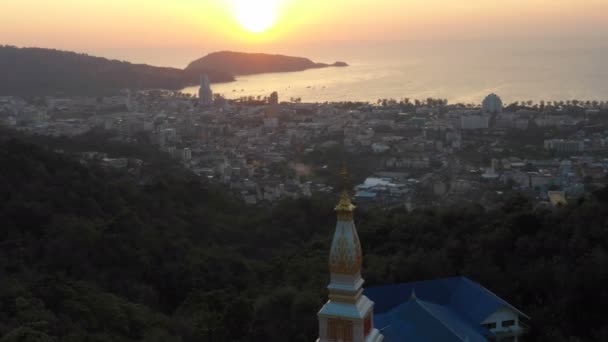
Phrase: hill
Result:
[35,71]
[239,63]
[92,255]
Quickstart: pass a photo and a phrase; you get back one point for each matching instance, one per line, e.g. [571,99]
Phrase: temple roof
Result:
[454,307]
[459,293]
[417,320]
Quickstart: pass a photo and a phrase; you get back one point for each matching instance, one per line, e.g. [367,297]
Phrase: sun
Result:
[257,16]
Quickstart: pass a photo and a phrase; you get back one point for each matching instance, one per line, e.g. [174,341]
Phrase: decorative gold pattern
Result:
[345,205]
[345,216]
[339,330]
[345,255]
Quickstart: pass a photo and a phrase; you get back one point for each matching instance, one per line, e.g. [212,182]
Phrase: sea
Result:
[459,71]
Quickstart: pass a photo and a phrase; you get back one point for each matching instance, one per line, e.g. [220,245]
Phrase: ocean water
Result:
[457,71]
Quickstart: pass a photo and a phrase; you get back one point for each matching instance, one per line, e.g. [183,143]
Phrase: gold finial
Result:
[344,173]
[345,207]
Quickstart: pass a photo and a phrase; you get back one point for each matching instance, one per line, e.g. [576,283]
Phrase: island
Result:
[39,72]
[240,63]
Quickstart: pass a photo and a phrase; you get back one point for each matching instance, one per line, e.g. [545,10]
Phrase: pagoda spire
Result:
[348,314]
[345,255]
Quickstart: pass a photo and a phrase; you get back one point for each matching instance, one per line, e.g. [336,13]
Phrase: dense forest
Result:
[93,255]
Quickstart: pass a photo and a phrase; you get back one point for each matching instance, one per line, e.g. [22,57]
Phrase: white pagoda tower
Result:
[348,314]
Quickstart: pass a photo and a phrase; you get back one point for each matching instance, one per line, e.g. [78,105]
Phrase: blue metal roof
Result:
[454,307]
[417,320]
[365,194]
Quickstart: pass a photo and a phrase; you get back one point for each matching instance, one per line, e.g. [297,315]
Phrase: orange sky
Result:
[81,25]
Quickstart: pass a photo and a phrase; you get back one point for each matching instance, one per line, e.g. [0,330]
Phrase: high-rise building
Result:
[205,95]
[274,98]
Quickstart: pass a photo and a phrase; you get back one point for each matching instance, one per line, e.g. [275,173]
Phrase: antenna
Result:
[345,178]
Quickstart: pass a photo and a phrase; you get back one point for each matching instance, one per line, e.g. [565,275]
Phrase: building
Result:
[183,154]
[115,163]
[492,104]
[556,121]
[205,95]
[474,122]
[564,146]
[348,314]
[451,309]
[274,98]
[557,198]
[380,147]
[271,122]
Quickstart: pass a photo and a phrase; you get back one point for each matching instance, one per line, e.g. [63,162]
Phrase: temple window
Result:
[339,330]
[332,329]
[508,323]
[490,326]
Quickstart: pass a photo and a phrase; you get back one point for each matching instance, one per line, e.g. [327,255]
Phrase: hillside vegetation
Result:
[93,255]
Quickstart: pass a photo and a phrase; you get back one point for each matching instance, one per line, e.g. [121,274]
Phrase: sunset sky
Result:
[82,25]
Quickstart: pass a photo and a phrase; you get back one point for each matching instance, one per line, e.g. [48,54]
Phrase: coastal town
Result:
[403,153]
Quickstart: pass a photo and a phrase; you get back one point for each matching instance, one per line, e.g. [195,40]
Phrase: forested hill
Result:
[239,63]
[90,255]
[34,71]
